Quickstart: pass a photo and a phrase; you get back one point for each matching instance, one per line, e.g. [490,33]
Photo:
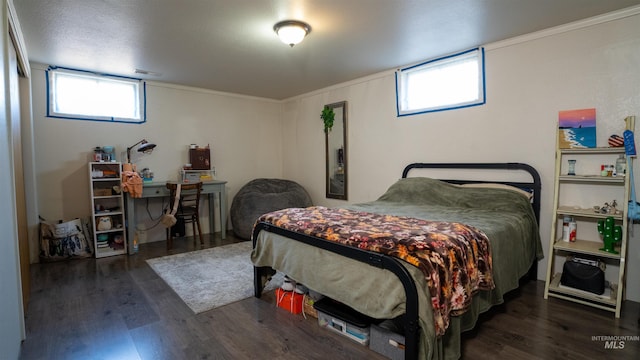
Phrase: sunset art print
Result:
[577,128]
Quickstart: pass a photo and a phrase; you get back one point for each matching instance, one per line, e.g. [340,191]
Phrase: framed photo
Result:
[577,128]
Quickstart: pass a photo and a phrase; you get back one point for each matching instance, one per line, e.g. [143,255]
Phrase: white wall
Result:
[529,79]
[244,134]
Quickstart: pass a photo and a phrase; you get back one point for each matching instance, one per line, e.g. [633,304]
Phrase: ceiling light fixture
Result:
[291,32]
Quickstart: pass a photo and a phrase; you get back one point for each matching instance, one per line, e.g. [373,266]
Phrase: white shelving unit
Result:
[107,214]
[571,195]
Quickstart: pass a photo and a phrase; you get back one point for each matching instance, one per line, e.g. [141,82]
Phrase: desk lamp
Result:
[146,148]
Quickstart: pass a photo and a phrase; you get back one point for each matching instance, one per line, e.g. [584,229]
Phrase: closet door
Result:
[18,172]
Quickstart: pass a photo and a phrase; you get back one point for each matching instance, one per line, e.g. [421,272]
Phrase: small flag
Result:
[629,143]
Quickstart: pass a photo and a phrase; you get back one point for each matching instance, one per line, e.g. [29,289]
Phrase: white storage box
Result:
[342,319]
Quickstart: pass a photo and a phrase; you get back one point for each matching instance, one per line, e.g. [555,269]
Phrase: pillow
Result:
[526,194]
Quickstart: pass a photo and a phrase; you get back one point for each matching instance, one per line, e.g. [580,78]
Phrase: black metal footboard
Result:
[411,325]
[534,186]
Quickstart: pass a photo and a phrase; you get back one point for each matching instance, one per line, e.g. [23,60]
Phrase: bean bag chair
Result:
[261,196]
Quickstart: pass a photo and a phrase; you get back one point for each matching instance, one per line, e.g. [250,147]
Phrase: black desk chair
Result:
[188,208]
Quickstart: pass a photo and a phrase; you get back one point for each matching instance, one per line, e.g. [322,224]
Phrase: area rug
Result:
[210,278]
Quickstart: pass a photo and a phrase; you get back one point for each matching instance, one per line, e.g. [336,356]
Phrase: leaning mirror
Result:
[335,134]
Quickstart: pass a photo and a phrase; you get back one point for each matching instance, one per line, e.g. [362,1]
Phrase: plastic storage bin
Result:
[344,320]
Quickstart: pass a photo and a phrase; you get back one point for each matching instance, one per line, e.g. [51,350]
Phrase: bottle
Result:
[621,166]
[573,229]
[135,242]
[565,228]
[572,167]
[603,170]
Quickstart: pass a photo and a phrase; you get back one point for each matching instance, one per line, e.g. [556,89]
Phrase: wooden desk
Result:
[159,189]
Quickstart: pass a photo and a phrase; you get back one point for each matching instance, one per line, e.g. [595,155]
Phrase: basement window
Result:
[450,82]
[83,95]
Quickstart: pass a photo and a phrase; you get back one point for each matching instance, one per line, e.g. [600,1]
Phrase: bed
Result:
[385,287]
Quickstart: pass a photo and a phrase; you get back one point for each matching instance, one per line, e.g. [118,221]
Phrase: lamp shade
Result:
[146,148]
[292,32]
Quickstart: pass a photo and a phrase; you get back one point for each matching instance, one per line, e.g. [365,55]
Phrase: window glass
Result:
[446,83]
[74,94]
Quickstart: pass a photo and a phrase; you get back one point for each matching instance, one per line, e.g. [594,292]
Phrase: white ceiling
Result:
[230,46]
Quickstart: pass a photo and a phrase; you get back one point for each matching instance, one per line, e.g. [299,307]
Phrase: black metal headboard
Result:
[534,186]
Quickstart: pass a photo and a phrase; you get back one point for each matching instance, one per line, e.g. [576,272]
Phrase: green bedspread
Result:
[504,216]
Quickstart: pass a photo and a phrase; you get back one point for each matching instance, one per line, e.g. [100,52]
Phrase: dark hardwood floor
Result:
[118,308]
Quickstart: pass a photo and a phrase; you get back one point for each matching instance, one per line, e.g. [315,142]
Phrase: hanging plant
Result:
[327,116]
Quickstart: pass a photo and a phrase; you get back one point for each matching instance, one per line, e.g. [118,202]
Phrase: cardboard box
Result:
[307,307]
[289,300]
[101,192]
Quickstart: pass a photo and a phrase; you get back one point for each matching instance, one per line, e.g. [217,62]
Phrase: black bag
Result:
[178,229]
[581,275]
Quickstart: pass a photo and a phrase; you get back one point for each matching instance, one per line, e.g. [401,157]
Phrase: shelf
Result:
[109,231]
[103,252]
[107,213]
[198,175]
[115,178]
[107,197]
[618,180]
[583,297]
[584,247]
[599,150]
[587,213]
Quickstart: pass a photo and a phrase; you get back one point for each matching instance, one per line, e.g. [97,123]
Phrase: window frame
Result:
[481,100]
[141,96]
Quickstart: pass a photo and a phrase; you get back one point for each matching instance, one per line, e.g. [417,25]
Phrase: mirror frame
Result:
[340,108]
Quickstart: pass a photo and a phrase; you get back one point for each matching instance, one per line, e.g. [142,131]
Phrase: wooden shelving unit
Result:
[589,247]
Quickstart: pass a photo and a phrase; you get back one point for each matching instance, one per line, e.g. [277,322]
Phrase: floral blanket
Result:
[455,258]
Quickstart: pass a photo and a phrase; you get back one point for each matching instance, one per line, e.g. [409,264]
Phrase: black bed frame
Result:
[411,327]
